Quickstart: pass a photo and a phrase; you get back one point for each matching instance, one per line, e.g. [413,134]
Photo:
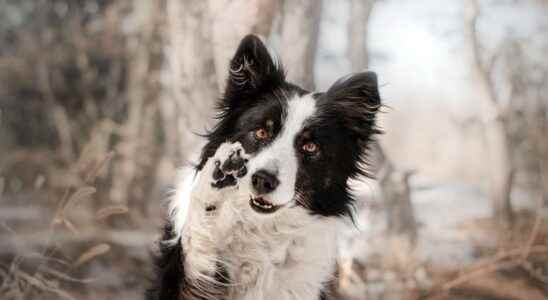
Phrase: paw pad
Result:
[229,165]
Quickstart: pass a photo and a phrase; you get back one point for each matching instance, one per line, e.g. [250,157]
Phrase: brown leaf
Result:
[32,280]
[70,226]
[98,166]
[80,194]
[93,252]
[108,211]
[44,285]
[63,276]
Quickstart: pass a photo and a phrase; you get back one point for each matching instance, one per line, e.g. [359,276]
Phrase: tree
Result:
[300,20]
[494,119]
[394,183]
[360,12]
[135,132]
[201,37]
[231,21]
[527,78]
[190,83]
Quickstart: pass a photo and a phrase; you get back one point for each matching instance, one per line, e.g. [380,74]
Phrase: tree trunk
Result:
[544,178]
[496,133]
[231,21]
[542,143]
[190,86]
[501,172]
[394,184]
[299,38]
[126,168]
[201,38]
[400,219]
[360,11]
[396,195]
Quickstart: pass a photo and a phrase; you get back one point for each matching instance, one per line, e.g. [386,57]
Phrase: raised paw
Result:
[230,164]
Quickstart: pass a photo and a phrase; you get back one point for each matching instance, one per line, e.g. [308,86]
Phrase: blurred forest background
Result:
[100,101]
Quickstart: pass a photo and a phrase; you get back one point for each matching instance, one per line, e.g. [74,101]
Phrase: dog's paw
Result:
[229,163]
[219,178]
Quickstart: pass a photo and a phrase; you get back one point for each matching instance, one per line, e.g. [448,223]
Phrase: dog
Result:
[258,216]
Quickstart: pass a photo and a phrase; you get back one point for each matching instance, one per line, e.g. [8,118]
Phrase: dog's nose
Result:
[264,182]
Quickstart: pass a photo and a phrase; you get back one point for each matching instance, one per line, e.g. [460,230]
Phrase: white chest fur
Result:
[288,257]
[269,263]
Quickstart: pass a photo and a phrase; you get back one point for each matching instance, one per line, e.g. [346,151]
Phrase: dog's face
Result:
[304,146]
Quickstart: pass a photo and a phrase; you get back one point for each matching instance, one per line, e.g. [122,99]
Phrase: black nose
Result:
[264,182]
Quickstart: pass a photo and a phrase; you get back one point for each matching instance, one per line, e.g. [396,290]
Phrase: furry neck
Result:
[278,259]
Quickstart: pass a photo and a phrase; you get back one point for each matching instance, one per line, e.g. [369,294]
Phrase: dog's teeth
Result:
[262,205]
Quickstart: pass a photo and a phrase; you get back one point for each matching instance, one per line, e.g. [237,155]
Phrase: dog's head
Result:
[304,146]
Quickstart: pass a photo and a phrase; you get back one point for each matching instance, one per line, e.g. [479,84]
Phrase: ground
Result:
[67,247]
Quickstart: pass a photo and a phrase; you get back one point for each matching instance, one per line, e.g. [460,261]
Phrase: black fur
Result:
[170,272]
[171,282]
[255,85]
[344,126]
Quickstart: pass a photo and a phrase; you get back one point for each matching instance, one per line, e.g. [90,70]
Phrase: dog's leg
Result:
[202,235]
[188,267]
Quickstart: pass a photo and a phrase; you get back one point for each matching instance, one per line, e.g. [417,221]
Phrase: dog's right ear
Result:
[252,68]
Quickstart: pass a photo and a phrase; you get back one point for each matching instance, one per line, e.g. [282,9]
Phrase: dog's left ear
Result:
[356,100]
[252,69]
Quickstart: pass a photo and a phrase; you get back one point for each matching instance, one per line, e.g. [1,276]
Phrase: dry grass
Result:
[523,261]
[48,272]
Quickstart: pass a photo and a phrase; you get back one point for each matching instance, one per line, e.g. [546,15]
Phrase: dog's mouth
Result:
[263,206]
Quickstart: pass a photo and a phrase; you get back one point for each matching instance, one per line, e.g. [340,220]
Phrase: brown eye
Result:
[310,148]
[261,134]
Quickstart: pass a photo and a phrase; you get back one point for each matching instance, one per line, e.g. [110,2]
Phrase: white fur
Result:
[280,157]
[287,255]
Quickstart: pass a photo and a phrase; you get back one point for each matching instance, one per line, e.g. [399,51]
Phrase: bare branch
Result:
[483,69]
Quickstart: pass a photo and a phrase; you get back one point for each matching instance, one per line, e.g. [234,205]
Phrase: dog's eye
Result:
[261,134]
[310,148]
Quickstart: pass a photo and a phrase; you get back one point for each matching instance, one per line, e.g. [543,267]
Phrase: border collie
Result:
[258,216]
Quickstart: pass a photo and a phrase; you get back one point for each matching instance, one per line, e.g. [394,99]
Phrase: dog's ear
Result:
[252,68]
[356,100]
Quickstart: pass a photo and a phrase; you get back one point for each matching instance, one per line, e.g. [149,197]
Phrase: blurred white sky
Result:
[417,50]
[416,45]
